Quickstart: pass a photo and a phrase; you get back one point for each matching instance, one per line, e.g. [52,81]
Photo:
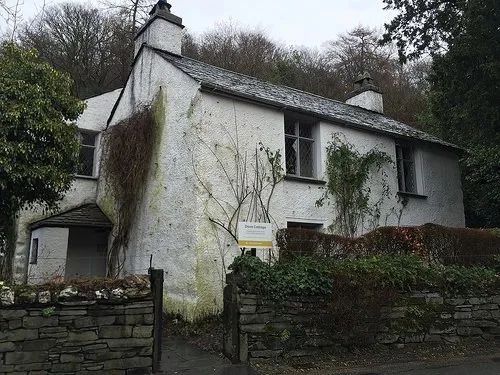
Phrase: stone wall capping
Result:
[94,326]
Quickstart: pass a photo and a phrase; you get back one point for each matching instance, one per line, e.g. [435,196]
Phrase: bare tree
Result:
[358,51]
[306,69]
[251,52]
[403,86]
[10,12]
[230,47]
[135,11]
[95,48]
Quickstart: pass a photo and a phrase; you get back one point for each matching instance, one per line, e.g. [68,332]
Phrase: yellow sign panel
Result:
[246,243]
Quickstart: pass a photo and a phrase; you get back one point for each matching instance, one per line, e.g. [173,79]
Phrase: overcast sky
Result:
[309,23]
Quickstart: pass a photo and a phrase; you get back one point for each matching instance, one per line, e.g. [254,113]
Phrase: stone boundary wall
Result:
[107,329]
[256,330]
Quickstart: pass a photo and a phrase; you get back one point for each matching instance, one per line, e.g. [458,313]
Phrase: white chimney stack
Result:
[366,94]
[163,30]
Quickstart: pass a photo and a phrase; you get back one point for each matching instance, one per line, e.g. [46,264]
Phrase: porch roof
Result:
[87,215]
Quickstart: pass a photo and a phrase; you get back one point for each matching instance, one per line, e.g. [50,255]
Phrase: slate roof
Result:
[88,215]
[236,84]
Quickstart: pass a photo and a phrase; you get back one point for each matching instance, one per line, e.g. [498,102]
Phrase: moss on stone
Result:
[107,204]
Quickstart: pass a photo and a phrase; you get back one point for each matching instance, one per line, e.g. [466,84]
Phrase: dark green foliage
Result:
[465,103]
[305,276]
[347,172]
[464,96]
[353,291]
[38,147]
[455,279]
[386,274]
[481,182]
[38,143]
[400,272]
[424,25]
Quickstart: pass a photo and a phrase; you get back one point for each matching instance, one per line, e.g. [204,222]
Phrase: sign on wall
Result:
[255,235]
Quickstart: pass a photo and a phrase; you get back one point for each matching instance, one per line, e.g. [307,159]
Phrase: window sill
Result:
[411,195]
[86,177]
[291,177]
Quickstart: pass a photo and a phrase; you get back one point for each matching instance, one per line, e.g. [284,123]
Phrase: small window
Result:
[299,147]
[87,153]
[34,251]
[405,163]
[299,225]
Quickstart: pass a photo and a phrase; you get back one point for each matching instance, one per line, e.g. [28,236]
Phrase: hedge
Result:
[432,243]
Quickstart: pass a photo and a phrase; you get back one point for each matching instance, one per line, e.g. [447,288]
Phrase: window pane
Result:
[407,153]
[291,155]
[409,175]
[290,127]
[401,185]
[34,251]
[86,161]
[399,152]
[305,130]
[306,158]
[87,139]
[296,224]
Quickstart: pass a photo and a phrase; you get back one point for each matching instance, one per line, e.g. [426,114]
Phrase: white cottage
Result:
[215,123]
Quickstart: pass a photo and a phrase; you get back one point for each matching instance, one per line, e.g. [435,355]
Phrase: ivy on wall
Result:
[347,174]
[354,290]
[128,150]
[7,247]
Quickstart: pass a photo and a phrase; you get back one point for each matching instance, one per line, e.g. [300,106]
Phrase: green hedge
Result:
[386,274]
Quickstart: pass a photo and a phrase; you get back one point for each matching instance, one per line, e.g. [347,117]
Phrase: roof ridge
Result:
[326,108]
[255,78]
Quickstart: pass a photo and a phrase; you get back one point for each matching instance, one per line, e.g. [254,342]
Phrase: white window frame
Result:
[94,149]
[313,125]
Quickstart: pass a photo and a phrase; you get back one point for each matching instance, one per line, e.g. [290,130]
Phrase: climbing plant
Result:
[347,174]
[7,245]
[247,180]
[251,182]
[128,149]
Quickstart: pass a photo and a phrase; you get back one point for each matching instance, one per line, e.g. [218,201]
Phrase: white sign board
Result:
[255,235]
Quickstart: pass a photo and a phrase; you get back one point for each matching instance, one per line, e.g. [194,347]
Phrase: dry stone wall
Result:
[257,330]
[102,330]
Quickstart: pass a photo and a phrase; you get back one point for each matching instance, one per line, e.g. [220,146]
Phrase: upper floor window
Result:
[299,147]
[87,153]
[405,163]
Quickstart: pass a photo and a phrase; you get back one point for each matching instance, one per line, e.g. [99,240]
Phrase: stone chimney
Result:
[366,94]
[163,30]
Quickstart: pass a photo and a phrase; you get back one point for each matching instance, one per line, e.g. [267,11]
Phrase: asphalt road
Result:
[488,365]
[181,358]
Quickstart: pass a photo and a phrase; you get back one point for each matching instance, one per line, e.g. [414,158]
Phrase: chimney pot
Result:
[160,6]
[366,94]
[163,30]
